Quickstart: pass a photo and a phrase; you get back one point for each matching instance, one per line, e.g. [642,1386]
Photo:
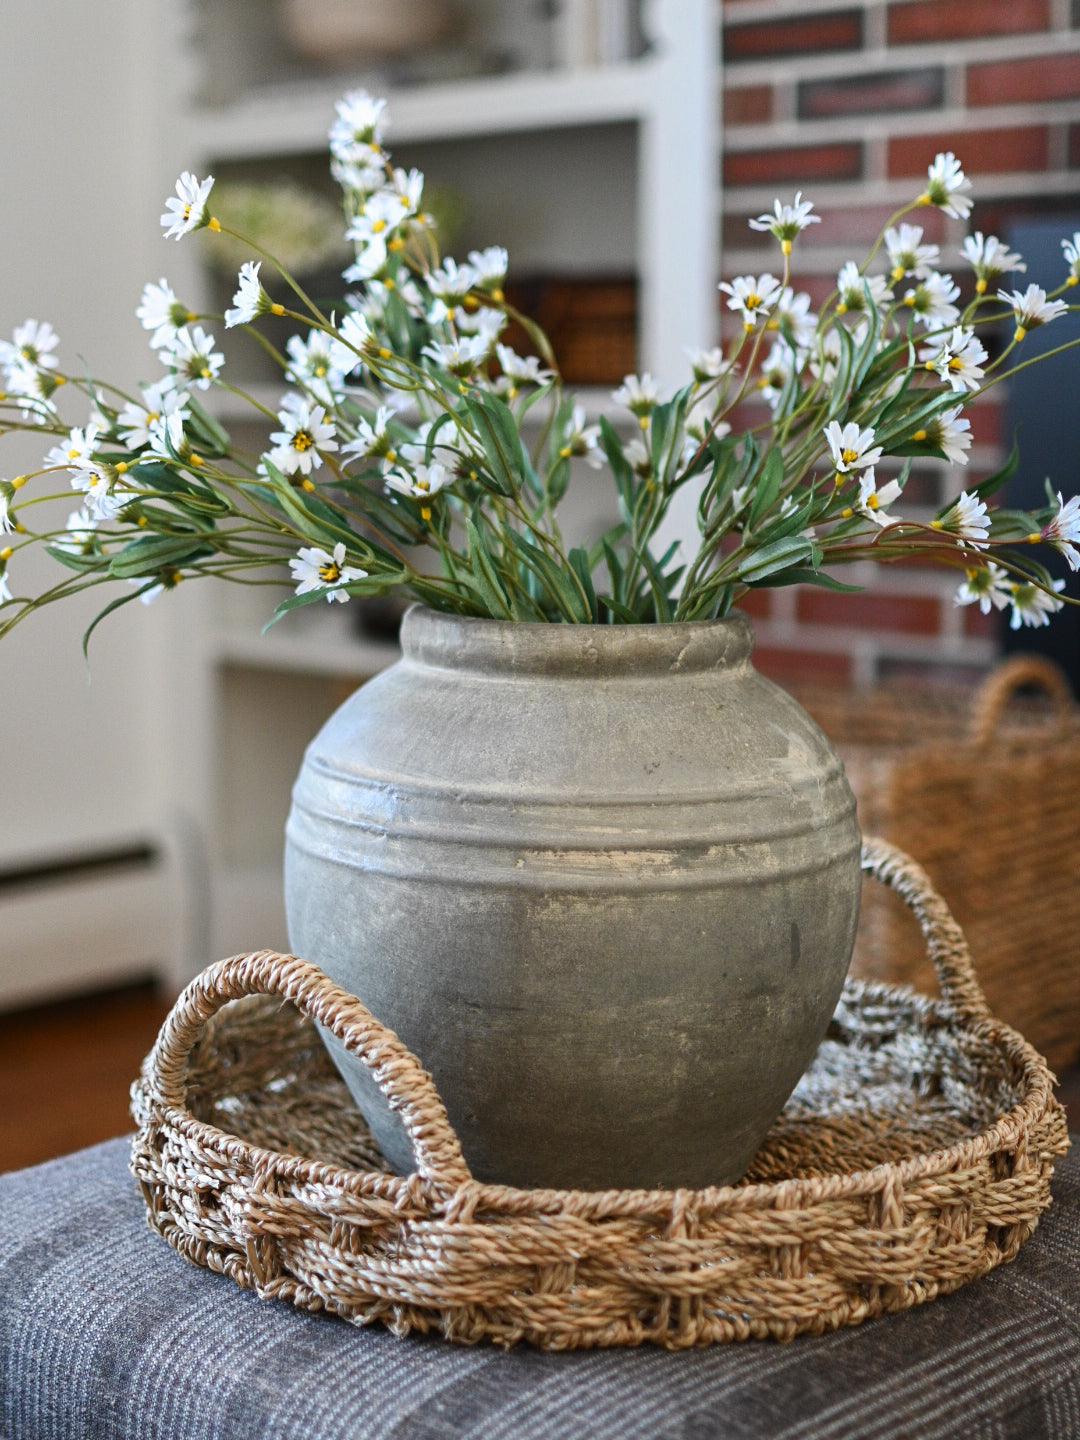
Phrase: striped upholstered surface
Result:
[105,1334]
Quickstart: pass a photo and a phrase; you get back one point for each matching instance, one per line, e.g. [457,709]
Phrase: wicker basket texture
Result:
[985,790]
[915,1156]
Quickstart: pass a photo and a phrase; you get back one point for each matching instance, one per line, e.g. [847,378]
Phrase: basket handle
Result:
[945,941]
[404,1082]
[999,688]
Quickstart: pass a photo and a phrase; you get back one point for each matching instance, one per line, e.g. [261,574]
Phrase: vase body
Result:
[603,880]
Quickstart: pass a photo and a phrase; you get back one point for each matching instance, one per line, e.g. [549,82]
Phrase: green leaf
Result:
[76,560]
[1000,478]
[581,560]
[775,557]
[498,433]
[801,575]
[112,605]
[484,576]
[767,487]
[151,553]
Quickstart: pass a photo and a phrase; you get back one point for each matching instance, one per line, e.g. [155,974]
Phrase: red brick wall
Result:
[850,102]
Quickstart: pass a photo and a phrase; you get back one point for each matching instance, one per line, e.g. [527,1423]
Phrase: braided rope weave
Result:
[915,1155]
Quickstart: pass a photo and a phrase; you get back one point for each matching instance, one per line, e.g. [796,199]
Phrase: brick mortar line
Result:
[880,125]
[837,193]
[838,65]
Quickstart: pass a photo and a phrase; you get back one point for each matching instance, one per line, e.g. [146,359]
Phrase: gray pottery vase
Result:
[603,880]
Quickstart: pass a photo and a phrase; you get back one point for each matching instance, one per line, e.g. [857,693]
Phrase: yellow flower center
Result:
[378,226]
[303,440]
[320,371]
[955,364]
[753,300]
[849,456]
[330,573]
[919,436]
[872,502]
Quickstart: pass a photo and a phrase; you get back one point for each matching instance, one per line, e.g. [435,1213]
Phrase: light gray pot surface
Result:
[603,880]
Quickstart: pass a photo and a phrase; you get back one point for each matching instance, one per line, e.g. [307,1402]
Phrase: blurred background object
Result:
[597,139]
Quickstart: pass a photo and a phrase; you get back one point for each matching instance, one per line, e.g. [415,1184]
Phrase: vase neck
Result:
[429,637]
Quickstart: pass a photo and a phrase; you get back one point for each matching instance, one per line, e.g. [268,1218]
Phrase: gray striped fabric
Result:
[106,1333]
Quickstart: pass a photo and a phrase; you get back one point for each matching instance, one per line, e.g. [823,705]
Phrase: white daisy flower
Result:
[370,262]
[354,335]
[957,358]
[486,322]
[7,525]
[250,300]
[853,287]
[753,296]
[356,134]
[825,357]
[97,484]
[135,422]
[78,538]
[990,259]
[313,363]
[775,373]
[907,254]
[1031,308]
[699,421]
[363,177]
[948,433]
[707,364]
[1032,606]
[1072,257]
[372,440]
[639,394]
[851,448]
[192,359]
[186,210]
[638,457]
[932,301]
[77,450]
[947,186]
[794,307]
[1063,532]
[786,221]
[416,453]
[521,369]
[968,519]
[422,484]
[168,438]
[305,431]
[32,343]
[383,212]
[33,387]
[987,586]
[874,500]
[407,186]
[582,440]
[460,356]
[161,312]
[490,267]
[315,569]
[451,281]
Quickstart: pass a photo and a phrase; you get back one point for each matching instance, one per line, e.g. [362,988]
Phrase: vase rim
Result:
[457,642]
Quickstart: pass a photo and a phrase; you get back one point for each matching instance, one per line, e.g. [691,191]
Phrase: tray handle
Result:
[945,941]
[999,688]
[404,1082]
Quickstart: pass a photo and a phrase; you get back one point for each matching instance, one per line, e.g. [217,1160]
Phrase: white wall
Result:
[82,185]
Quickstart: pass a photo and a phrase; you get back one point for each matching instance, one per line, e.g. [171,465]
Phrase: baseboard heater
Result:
[74,922]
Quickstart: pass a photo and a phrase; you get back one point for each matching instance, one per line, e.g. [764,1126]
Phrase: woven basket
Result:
[915,1155]
[985,789]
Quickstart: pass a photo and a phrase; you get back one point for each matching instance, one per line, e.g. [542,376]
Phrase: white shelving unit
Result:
[593,161]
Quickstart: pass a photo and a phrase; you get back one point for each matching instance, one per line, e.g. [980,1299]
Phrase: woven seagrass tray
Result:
[915,1155]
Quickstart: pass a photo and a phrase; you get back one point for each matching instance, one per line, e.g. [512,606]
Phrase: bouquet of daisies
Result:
[414,448]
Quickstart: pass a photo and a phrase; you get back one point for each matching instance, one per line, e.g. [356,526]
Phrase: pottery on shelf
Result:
[341,32]
[603,880]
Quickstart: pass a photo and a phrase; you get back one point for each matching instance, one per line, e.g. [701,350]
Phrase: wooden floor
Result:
[65,1071]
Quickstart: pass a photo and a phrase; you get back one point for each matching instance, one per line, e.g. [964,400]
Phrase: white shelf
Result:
[337,657]
[295,121]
